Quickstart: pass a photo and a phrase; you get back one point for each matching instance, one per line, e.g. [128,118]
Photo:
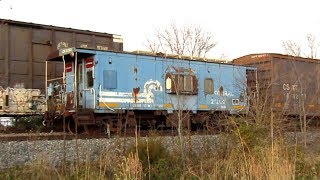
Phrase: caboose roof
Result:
[68,52]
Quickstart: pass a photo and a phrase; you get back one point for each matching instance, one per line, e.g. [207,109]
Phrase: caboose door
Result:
[86,86]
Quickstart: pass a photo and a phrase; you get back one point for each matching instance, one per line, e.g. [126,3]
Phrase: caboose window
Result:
[208,86]
[188,85]
[89,79]
[109,79]
[180,83]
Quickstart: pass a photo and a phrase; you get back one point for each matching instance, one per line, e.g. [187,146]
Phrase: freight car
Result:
[288,84]
[25,46]
[119,90]
[19,101]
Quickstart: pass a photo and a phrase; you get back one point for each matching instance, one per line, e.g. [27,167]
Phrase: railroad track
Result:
[71,136]
[127,133]
[40,136]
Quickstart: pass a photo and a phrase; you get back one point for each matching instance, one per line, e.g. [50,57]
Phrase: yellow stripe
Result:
[278,105]
[101,104]
[167,105]
[238,107]
[203,106]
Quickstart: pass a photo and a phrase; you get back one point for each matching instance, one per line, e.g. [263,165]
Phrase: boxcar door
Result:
[88,91]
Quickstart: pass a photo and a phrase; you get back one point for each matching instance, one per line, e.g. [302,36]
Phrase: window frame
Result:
[105,79]
[179,82]
[211,87]
[89,81]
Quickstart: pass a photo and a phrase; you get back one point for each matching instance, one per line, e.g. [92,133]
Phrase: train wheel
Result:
[90,129]
[72,128]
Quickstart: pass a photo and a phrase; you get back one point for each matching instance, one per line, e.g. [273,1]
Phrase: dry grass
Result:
[247,152]
[130,168]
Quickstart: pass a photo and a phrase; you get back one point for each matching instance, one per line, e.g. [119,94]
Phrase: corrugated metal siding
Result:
[294,80]
[290,79]
[25,46]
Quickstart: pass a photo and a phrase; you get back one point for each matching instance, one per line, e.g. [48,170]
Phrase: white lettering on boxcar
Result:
[288,87]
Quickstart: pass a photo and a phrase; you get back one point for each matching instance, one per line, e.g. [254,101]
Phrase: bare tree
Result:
[191,40]
[312,45]
[188,40]
[295,49]
[291,48]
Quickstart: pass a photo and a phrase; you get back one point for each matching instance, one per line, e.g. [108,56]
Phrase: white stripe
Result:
[117,94]
[122,100]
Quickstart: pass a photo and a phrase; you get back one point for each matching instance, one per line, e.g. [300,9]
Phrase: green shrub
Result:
[27,124]
[156,161]
[252,136]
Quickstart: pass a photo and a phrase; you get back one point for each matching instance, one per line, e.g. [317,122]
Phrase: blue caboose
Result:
[119,89]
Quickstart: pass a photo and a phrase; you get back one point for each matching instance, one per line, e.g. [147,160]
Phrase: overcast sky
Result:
[239,26]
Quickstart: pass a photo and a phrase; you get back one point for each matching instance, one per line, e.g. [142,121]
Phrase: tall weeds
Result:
[247,152]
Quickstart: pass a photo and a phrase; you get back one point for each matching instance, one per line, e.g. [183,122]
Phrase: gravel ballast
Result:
[15,153]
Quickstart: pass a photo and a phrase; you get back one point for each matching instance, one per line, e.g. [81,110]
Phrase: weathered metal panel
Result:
[2,99]
[1,67]
[292,82]
[58,69]
[2,42]
[117,43]
[38,68]
[18,80]
[295,85]
[103,43]
[5,78]
[40,52]
[84,38]
[18,67]
[42,36]
[24,45]
[38,82]
[103,40]
[252,59]
[63,39]
[19,45]
[84,41]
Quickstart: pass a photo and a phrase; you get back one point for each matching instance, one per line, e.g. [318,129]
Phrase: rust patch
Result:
[221,91]
[70,100]
[135,94]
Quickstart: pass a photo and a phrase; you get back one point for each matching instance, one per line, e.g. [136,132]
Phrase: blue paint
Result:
[132,81]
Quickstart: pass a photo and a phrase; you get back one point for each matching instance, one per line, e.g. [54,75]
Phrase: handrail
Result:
[55,79]
[94,97]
